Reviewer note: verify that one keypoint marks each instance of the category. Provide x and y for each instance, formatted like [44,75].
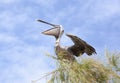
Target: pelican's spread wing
[80,46]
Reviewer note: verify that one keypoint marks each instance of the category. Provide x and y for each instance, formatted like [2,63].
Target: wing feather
[80,46]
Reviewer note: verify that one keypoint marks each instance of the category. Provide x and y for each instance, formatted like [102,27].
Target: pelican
[79,48]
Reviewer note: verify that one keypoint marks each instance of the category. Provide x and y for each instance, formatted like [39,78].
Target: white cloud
[46,4]
[105,9]
[11,20]
[23,63]
[20,61]
[5,38]
[8,1]
[90,12]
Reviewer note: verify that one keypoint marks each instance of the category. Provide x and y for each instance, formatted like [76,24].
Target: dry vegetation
[86,70]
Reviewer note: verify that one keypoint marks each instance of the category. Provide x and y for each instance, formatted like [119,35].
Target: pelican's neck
[57,43]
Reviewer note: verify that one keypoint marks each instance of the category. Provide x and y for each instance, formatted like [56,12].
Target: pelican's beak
[52,32]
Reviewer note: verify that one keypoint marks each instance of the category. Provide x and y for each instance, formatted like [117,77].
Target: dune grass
[86,70]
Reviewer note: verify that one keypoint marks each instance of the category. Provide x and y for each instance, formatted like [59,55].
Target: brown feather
[80,46]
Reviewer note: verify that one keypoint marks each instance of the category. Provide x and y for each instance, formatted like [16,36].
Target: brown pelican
[80,46]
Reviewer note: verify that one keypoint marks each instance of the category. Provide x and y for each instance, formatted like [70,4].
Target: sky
[23,48]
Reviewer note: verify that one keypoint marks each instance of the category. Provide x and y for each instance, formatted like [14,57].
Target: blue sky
[23,47]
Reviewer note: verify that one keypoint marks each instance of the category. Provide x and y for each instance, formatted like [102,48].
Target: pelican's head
[56,31]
